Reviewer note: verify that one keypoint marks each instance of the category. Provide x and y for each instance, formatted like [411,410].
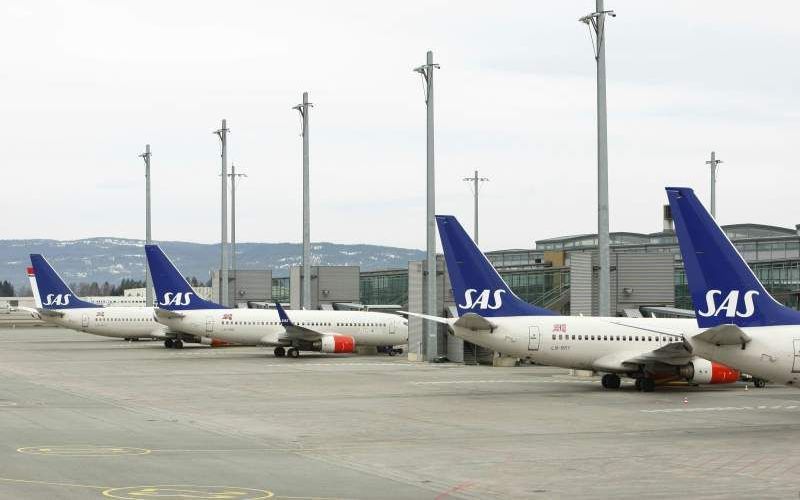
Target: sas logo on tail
[57,299]
[730,305]
[483,300]
[177,299]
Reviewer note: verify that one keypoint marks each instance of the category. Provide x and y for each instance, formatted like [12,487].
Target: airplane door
[209,325]
[534,338]
[392,327]
[796,365]
[85,321]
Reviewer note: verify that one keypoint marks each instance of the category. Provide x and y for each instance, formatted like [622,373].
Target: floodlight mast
[475,181]
[430,344]
[223,260]
[303,109]
[596,23]
[234,176]
[148,290]
[713,163]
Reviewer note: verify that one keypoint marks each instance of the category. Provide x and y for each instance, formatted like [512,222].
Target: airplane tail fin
[723,287]
[34,288]
[49,289]
[477,286]
[285,321]
[172,290]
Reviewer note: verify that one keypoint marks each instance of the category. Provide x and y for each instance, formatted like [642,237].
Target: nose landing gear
[610,381]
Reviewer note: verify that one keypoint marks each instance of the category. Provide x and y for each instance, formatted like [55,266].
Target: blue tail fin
[285,321]
[172,290]
[476,285]
[53,292]
[723,287]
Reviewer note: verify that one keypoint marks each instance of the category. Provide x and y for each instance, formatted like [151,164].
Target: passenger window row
[614,338]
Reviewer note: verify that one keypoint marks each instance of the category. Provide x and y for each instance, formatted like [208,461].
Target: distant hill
[112,259]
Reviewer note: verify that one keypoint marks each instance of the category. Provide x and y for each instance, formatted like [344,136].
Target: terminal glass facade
[280,289]
[390,287]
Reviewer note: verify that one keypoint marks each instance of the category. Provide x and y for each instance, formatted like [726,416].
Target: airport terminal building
[647,278]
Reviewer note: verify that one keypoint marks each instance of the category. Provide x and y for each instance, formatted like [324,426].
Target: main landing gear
[610,381]
[173,344]
[645,384]
[292,352]
[759,382]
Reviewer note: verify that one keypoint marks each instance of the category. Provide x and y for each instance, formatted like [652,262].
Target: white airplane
[180,308]
[742,324]
[57,304]
[649,350]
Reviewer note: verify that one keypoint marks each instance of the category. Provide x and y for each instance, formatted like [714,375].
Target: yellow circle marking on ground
[187,491]
[83,451]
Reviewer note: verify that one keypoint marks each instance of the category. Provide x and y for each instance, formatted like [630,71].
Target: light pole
[597,32]
[475,180]
[430,329]
[234,176]
[306,281]
[713,163]
[148,290]
[223,260]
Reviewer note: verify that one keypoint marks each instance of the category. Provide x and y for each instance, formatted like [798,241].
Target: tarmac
[88,417]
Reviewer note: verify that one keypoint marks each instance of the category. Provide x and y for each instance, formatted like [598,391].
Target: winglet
[285,321]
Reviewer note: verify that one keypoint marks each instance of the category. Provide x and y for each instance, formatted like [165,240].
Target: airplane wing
[294,331]
[674,353]
[724,335]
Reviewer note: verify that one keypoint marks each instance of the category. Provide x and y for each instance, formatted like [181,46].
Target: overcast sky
[85,84]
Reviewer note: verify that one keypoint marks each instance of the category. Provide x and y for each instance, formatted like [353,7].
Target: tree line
[93,289]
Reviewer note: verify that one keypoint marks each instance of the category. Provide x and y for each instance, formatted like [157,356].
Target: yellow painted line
[187,491]
[83,451]
[49,483]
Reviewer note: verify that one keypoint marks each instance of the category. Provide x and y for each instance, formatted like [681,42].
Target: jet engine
[702,371]
[336,343]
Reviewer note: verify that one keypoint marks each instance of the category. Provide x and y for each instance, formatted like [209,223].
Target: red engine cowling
[702,371]
[337,343]
[214,342]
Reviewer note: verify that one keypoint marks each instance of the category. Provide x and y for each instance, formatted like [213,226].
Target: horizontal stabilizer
[724,335]
[166,314]
[474,322]
[437,319]
[49,313]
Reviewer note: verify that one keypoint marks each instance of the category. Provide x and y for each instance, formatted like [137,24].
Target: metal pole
[596,22]
[223,262]
[148,293]
[233,231]
[430,329]
[306,281]
[234,176]
[713,164]
[475,180]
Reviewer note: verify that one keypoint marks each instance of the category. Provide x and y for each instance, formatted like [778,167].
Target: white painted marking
[503,381]
[722,408]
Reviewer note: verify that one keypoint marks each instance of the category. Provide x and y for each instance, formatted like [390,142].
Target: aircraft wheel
[178,344]
[759,382]
[648,385]
[611,381]
[169,344]
[293,352]
[392,352]
[280,352]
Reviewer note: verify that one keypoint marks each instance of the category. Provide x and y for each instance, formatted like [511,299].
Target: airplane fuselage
[117,322]
[263,326]
[773,353]
[576,342]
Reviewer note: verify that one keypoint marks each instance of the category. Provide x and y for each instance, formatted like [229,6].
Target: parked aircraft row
[739,326]
[738,323]
[182,316]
